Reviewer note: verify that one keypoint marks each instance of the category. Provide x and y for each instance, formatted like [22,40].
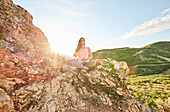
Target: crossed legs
[90,63]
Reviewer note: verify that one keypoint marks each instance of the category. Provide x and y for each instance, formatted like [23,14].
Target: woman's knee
[93,62]
[78,64]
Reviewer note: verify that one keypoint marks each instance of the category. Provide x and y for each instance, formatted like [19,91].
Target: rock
[6,104]
[17,32]
[9,83]
[92,90]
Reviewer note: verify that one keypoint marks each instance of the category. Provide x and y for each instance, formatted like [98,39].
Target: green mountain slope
[151,59]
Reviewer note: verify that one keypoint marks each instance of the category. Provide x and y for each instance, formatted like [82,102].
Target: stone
[18,32]
[72,91]
[6,104]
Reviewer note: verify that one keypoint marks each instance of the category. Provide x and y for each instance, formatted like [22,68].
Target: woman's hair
[78,46]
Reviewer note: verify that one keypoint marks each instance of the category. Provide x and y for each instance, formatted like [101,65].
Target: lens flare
[117,66]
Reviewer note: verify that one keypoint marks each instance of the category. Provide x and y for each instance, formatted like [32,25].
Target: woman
[84,55]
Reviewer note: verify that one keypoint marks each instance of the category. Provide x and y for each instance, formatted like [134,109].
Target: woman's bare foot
[85,68]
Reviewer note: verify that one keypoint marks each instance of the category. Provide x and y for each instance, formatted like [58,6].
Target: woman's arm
[90,53]
[75,54]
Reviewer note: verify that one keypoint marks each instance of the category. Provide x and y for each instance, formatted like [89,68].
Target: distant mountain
[151,59]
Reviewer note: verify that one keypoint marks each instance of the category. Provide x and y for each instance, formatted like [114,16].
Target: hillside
[151,59]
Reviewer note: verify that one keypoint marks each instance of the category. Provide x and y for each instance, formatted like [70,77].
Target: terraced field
[152,90]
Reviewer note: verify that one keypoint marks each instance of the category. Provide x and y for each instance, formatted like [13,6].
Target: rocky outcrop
[17,32]
[36,85]
[31,82]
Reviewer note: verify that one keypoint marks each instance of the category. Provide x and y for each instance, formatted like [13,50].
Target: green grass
[120,54]
[149,70]
[148,98]
[161,45]
[144,79]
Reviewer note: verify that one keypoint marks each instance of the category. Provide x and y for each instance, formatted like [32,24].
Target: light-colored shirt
[83,54]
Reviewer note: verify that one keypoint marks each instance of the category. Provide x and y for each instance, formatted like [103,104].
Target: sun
[61,47]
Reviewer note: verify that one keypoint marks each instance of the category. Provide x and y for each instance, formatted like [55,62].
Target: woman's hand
[90,53]
[84,59]
[75,55]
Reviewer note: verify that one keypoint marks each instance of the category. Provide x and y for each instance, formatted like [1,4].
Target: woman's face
[82,41]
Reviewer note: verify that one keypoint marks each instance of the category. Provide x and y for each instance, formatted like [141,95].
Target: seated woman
[84,55]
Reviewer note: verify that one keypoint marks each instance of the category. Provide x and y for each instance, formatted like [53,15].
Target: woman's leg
[78,64]
[91,63]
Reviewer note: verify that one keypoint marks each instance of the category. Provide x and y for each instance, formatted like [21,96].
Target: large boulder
[36,85]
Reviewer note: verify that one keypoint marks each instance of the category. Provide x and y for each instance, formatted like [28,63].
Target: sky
[105,24]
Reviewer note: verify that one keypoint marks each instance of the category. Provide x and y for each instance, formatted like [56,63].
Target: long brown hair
[78,46]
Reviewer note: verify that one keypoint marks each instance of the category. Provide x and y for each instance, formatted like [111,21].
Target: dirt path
[168,59]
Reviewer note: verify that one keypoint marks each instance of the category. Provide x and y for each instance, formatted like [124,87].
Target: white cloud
[149,27]
[165,11]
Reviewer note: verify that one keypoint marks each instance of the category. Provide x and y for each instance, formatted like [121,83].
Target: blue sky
[105,24]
